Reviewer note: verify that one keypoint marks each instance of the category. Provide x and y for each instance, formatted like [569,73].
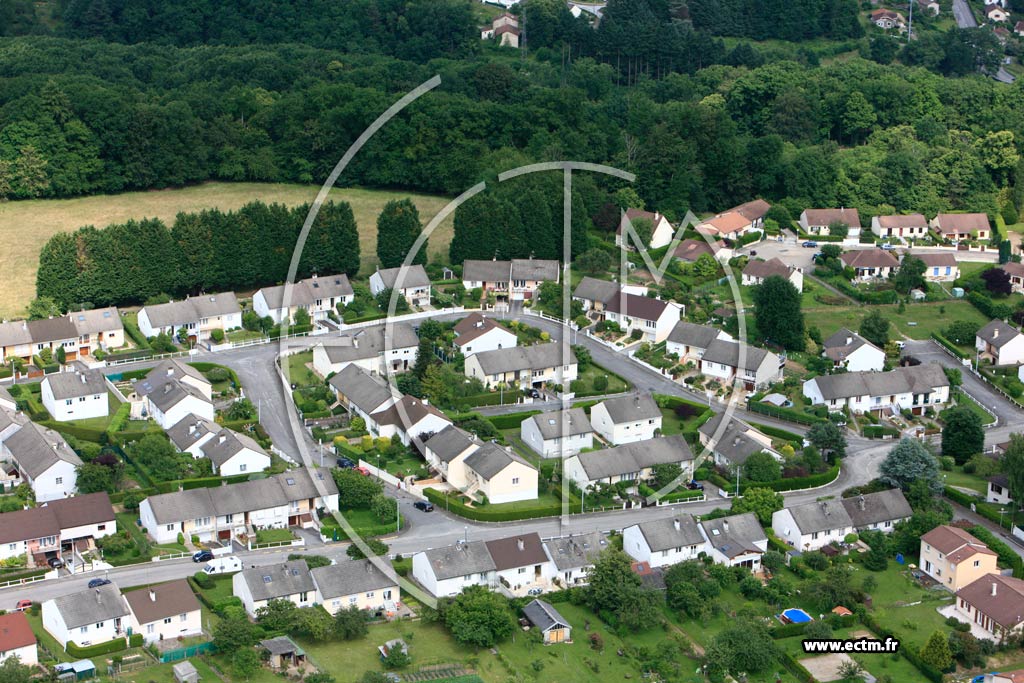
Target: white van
[223,565]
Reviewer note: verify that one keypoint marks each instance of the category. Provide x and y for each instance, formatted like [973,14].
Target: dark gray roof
[15,333]
[369,342]
[735,535]
[998,333]
[227,444]
[689,334]
[543,616]
[212,305]
[66,385]
[415,276]
[449,443]
[918,379]
[821,515]
[462,559]
[281,645]
[192,309]
[571,422]
[844,342]
[279,580]
[631,408]
[633,457]
[170,392]
[8,418]
[486,271]
[537,357]
[728,353]
[759,268]
[873,508]
[636,306]
[367,392]
[306,292]
[535,270]
[37,449]
[274,296]
[167,370]
[91,606]
[733,444]
[576,551]
[592,289]
[671,532]
[351,577]
[490,459]
[52,329]
[328,286]
[190,429]
[96,320]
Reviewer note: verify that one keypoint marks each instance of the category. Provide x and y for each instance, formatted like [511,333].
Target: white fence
[294,543]
[172,556]
[390,479]
[32,579]
[405,317]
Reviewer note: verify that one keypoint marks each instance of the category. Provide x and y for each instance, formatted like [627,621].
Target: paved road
[963,14]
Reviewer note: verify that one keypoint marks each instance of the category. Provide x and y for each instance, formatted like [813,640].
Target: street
[965,19]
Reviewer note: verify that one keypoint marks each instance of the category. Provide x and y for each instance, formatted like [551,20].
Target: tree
[838,229]
[93,478]
[245,663]
[910,461]
[398,227]
[665,474]
[706,266]
[762,467]
[234,633]
[875,328]
[746,647]
[385,509]
[424,358]
[355,490]
[777,312]
[850,671]
[910,274]
[829,439]
[834,588]
[351,623]
[962,434]
[378,548]
[302,318]
[761,501]
[42,308]
[615,590]
[997,281]
[593,261]
[479,617]
[961,332]
[277,615]
[1013,466]
[773,561]
[644,229]
[936,652]
[13,671]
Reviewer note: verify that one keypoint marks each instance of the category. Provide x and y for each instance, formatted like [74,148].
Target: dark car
[202,556]
[533,393]
[695,485]
[423,505]
[753,252]
[345,463]
[810,245]
[55,563]
[96,583]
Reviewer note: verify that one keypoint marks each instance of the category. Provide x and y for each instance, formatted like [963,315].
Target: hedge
[512,420]
[135,640]
[96,650]
[1006,554]
[779,485]
[482,514]
[205,367]
[777,433]
[878,431]
[685,494]
[950,346]
[797,416]
[77,431]
[930,672]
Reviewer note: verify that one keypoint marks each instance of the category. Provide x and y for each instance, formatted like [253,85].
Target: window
[99,624]
[303,596]
[336,603]
[81,399]
[352,600]
[370,594]
[150,628]
[167,620]
[58,481]
[814,536]
[977,563]
[183,616]
[12,546]
[242,467]
[515,480]
[521,570]
[68,402]
[84,629]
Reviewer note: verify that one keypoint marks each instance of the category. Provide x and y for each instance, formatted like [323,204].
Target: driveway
[788,251]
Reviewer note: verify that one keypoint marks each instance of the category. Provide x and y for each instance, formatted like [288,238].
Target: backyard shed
[547,619]
[284,653]
[185,672]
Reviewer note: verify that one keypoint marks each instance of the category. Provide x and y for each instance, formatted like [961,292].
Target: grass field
[26,225]
[918,321]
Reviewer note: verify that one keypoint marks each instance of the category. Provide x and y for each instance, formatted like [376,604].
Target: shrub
[600,383]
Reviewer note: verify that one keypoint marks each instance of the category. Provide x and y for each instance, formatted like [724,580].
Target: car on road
[694,485]
[96,583]
[753,252]
[23,606]
[223,565]
[345,463]
[810,244]
[423,505]
[55,563]
[202,556]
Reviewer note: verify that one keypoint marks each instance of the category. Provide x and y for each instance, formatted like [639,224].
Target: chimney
[167,388]
[152,595]
[83,377]
[520,545]
[99,596]
[222,438]
[725,525]
[675,524]
[993,589]
[860,502]
[995,333]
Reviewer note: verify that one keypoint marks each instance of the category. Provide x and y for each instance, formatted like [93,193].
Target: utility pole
[910,22]
[737,481]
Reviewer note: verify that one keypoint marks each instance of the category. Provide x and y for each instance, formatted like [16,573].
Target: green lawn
[274,535]
[364,522]
[918,321]
[164,673]
[46,641]
[672,424]
[967,402]
[615,383]
[898,668]
[244,335]
[970,268]
[959,479]
[298,373]
[100,423]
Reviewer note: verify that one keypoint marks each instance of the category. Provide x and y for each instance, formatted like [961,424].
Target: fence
[31,579]
[419,315]
[186,652]
[295,543]
[147,359]
[172,556]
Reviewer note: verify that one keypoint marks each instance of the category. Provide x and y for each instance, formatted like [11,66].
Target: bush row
[878,431]
[930,672]
[778,433]
[950,346]
[685,494]
[790,414]
[482,514]
[790,484]
[96,650]
[511,421]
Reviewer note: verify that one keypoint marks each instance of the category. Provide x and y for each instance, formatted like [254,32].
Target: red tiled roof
[15,632]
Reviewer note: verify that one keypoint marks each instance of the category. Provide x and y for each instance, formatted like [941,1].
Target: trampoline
[795,615]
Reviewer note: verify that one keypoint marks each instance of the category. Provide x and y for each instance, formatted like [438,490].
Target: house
[288,499]
[489,277]
[955,558]
[1016,273]
[956,227]
[190,433]
[664,542]
[574,556]
[48,530]
[914,388]
[7,401]
[527,366]
[411,282]
[1018,28]
[689,341]
[1015,676]
[729,361]
[732,444]
[172,391]
[888,19]
[505,30]
[88,617]
[730,225]
[594,293]
[318,296]
[879,511]
[553,626]
[1000,343]
[408,418]
[998,490]
[930,6]
[198,316]
[290,581]
[757,271]
[476,333]
[558,434]
[849,350]
[282,653]
[378,349]
[446,571]
[689,250]
[630,462]
[819,221]
[44,461]
[736,540]
[53,334]
[994,12]
[233,453]
[939,267]
[521,563]
[517,280]
[812,525]
[77,394]
[527,274]
[869,264]
[627,419]
[166,611]
[475,467]
[363,394]
[912,225]
[17,639]
[993,603]
[653,318]
[662,231]
[100,329]
[15,340]
[359,583]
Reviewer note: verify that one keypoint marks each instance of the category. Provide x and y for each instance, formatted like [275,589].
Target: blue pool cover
[797,616]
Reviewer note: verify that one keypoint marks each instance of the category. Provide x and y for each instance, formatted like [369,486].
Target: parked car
[810,244]
[889,247]
[96,583]
[362,470]
[223,565]
[753,252]
[423,505]
[202,556]
[532,393]
[55,563]
[345,463]
[23,606]
[535,591]
[695,485]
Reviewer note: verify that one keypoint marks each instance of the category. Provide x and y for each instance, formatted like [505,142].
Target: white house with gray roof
[664,542]
[44,461]
[172,391]
[411,282]
[190,433]
[915,388]
[476,333]
[6,400]
[1000,343]
[408,418]
[626,419]
[478,468]
[517,279]
[629,462]
[87,617]
[594,293]
[879,511]
[317,295]
[527,366]
[573,556]
[77,394]
[689,341]
[732,441]
[812,525]
[849,350]
[558,434]
[363,394]
[446,571]
[291,581]
[98,329]
[232,453]
[356,583]
[197,315]
[729,361]
[736,540]
[377,349]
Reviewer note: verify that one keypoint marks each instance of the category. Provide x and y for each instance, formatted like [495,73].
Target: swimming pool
[795,615]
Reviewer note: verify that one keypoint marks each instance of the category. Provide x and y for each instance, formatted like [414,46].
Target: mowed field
[26,225]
